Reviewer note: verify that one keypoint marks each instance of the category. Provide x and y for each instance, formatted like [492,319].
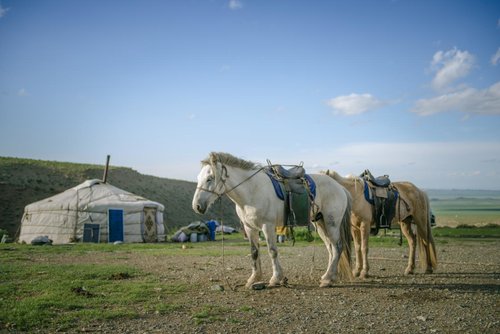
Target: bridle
[222,182]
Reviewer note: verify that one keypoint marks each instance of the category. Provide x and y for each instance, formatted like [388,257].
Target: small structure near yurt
[93,211]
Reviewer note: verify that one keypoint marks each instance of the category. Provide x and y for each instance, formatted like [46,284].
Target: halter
[221,183]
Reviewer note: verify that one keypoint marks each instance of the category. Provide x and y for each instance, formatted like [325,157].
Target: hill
[440,194]
[23,181]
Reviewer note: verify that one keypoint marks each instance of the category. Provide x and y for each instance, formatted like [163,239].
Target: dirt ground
[461,296]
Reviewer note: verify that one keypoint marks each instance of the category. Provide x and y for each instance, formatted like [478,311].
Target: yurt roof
[93,195]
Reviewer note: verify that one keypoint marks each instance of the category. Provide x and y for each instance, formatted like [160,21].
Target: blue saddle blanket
[368,194]
[278,188]
[369,197]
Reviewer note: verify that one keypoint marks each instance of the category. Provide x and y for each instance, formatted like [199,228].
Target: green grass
[488,232]
[210,313]
[34,294]
[37,295]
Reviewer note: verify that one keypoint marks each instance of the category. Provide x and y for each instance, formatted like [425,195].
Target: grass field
[466,211]
[40,290]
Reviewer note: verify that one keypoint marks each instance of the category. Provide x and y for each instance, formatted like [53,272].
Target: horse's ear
[213,160]
[217,170]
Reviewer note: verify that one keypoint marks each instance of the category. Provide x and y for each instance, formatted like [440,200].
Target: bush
[303,234]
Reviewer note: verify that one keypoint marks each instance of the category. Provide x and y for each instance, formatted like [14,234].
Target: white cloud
[235,4]
[467,100]
[354,104]
[3,11]
[450,66]
[495,59]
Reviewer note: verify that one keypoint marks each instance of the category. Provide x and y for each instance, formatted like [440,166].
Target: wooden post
[105,176]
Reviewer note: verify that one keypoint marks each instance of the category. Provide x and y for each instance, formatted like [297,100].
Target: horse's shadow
[406,283]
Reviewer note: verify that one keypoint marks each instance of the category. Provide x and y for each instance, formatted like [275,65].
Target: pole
[105,176]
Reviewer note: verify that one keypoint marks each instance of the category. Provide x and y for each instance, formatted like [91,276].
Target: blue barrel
[211,229]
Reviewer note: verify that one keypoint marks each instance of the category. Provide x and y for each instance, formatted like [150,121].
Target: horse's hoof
[429,271]
[408,272]
[250,284]
[364,275]
[273,284]
[355,273]
[325,284]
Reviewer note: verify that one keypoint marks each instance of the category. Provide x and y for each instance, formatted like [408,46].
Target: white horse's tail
[427,247]
[344,266]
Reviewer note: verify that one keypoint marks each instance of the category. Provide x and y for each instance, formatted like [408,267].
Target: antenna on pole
[105,176]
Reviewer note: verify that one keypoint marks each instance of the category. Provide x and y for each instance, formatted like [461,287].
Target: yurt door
[115,225]
[149,225]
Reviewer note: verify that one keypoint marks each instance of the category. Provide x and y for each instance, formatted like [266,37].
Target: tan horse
[412,210]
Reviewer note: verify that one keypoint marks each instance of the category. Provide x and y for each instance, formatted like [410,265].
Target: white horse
[258,207]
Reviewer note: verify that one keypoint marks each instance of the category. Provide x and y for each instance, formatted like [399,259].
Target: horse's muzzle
[198,208]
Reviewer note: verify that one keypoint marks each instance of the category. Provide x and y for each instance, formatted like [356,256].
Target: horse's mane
[349,177]
[230,160]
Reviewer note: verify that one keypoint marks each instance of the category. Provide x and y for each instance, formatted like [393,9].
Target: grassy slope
[23,181]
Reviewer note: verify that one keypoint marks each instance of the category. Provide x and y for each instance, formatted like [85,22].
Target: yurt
[93,211]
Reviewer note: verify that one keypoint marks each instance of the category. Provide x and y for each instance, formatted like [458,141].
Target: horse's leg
[253,237]
[356,236]
[326,278]
[270,234]
[411,237]
[331,238]
[365,235]
[425,241]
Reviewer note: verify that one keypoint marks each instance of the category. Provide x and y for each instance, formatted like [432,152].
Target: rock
[217,287]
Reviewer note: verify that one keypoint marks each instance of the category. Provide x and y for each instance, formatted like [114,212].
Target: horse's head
[211,186]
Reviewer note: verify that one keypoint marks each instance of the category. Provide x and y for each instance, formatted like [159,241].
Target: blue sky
[405,88]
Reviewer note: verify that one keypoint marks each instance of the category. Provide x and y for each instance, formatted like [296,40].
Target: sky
[405,88]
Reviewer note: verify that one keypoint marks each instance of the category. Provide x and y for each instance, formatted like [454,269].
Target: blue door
[115,224]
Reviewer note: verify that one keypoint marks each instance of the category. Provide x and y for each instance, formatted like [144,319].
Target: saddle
[295,172]
[292,179]
[379,181]
[296,189]
[383,196]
